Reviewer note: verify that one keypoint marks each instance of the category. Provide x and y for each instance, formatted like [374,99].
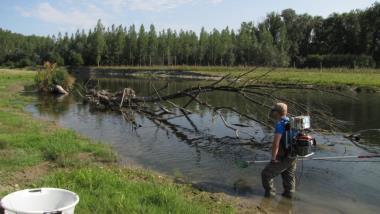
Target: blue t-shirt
[280,128]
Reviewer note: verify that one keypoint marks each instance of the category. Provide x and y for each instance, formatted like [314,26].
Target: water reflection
[55,106]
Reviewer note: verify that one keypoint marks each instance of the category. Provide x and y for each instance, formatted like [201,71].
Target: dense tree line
[281,39]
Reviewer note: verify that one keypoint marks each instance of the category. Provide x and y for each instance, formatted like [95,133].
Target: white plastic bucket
[40,201]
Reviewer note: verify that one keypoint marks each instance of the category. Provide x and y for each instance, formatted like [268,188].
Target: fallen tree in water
[161,106]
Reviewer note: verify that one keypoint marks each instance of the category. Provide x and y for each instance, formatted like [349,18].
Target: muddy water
[323,186]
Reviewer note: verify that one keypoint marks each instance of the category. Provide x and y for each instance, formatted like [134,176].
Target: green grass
[127,191]
[330,77]
[326,77]
[27,145]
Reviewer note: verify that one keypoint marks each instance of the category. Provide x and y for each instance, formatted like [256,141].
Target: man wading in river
[281,162]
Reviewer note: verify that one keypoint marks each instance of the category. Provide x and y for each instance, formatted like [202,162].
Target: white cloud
[150,5]
[73,18]
[153,5]
[83,14]
[216,1]
[116,5]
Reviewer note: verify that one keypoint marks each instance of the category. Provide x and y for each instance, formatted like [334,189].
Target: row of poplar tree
[281,39]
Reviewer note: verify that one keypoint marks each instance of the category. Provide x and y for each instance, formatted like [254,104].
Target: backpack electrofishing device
[299,142]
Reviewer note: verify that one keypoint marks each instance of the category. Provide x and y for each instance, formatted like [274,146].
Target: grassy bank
[325,77]
[36,153]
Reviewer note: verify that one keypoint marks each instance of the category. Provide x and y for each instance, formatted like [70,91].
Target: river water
[323,186]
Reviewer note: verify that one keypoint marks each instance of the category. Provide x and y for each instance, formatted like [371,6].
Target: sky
[48,17]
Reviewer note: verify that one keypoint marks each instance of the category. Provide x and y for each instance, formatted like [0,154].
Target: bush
[331,61]
[58,76]
[51,76]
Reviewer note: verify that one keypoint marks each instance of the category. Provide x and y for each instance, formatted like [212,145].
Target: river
[323,186]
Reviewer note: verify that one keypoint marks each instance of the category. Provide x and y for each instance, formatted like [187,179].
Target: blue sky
[44,17]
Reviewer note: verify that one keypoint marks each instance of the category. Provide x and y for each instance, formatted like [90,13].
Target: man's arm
[276,146]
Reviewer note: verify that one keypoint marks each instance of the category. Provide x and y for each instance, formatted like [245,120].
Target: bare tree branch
[259,95]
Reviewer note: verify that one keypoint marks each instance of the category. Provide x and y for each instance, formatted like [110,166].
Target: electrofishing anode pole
[324,158]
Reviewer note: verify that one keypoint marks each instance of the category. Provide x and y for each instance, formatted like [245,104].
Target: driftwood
[60,90]
[163,108]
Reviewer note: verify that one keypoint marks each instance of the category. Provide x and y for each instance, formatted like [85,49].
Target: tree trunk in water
[60,90]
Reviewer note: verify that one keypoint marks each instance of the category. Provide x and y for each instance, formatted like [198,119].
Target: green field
[35,153]
[330,77]
[325,77]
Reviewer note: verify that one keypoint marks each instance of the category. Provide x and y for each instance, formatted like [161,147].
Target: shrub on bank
[51,76]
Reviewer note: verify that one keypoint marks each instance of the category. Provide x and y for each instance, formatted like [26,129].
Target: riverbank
[337,78]
[35,153]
